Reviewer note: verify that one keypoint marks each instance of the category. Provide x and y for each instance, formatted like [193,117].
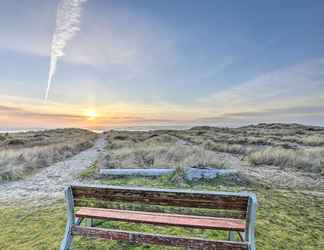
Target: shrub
[2,137]
[120,137]
[15,142]
[299,159]
[164,155]
[227,148]
[313,140]
[89,172]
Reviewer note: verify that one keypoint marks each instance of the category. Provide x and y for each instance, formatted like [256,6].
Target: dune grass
[314,140]
[18,163]
[306,160]
[286,219]
[287,146]
[89,172]
[37,150]
[162,154]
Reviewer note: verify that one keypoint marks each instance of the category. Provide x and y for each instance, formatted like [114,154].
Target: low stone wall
[189,173]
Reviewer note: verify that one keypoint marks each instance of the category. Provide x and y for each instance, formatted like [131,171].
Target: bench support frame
[73,228]
[156,239]
[251,221]
[71,221]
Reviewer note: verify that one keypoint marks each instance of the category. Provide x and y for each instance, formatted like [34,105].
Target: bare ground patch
[48,184]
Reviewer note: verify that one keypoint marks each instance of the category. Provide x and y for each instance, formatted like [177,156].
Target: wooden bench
[238,215]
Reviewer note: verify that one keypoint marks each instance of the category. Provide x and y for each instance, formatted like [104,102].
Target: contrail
[67,25]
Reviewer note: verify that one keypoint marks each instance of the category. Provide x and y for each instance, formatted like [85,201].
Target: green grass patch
[286,219]
[89,172]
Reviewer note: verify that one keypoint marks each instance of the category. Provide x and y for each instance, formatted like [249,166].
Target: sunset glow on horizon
[91,114]
[224,65]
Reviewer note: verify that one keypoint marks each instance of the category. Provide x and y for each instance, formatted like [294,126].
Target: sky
[163,63]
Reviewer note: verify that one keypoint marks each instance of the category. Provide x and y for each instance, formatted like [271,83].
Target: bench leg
[91,222]
[231,235]
[66,242]
[241,235]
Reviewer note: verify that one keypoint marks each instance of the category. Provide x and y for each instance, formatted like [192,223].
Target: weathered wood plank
[164,197]
[242,203]
[220,213]
[155,239]
[163,219]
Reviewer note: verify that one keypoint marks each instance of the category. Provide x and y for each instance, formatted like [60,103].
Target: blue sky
[165,62]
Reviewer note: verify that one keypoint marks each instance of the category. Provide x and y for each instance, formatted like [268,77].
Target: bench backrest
[163,197]
[98,196]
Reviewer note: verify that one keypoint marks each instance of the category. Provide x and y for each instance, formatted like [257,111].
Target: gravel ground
[48,184]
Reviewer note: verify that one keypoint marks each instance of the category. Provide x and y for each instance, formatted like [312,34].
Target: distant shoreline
[170,127]
[129,128]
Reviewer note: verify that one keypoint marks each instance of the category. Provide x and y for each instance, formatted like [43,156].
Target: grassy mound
[286,219]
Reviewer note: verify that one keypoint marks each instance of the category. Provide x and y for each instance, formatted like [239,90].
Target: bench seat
[163,219]
[226,211]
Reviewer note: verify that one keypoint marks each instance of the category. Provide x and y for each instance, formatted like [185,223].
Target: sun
[91,114]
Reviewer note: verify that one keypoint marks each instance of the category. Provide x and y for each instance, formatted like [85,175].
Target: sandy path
[49,183]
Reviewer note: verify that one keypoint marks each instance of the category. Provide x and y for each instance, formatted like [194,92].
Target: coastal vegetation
[281,163]
[22,154]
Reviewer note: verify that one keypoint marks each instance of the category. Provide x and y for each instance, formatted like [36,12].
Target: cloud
[292,94]
[12,117]
[292,86]
[270,113]
[105,41]
[17,117]
[21,113]
[67,25]
[26,30]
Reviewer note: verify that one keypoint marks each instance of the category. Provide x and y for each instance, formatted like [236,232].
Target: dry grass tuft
[156,149]
[166,155]
[314,140]
[285,145]
[304,160]
[228,148]
[18,160]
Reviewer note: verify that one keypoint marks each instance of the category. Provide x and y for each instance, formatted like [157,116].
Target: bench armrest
[251,221]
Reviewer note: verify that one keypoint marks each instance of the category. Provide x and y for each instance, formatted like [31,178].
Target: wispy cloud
[270,113]
[15,117]
[288,87]
[295,93]
[19,113]
[105,41]
[67,24]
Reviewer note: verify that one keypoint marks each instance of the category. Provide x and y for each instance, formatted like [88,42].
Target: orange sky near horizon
[37,114]
[120,64]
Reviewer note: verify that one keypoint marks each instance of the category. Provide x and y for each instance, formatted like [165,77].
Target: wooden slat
[162,219]
[221,213]
[163,197]
[155,239]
